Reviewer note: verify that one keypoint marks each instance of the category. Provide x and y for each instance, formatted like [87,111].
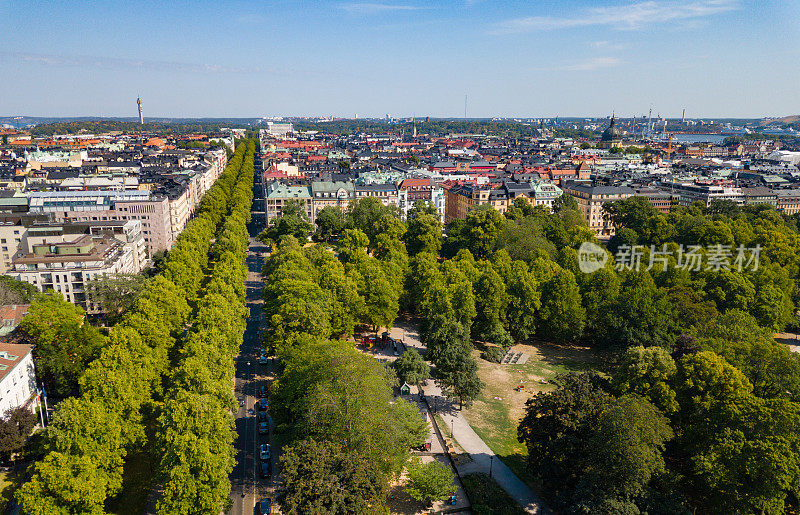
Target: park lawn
[137,477]
[487,497]
[496,413]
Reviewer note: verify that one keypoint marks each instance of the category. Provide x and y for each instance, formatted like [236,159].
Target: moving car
[265,451]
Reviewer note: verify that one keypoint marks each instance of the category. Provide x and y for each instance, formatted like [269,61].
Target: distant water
[699,138]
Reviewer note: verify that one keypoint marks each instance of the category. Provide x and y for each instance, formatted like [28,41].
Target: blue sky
[720,58]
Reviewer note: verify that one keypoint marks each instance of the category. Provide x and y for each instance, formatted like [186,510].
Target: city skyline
[714,58]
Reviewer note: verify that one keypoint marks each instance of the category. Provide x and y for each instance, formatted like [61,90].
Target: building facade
[17,377]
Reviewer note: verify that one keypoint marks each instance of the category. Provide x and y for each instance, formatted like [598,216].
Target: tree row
[124,383]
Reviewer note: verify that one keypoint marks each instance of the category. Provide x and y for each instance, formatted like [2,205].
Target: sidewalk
[482,456]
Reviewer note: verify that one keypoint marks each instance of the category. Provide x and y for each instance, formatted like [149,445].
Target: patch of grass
[488,498]
[497,411]
[137,479]
[9,482]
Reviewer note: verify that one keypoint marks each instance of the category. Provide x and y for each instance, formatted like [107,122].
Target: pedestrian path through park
[483,458]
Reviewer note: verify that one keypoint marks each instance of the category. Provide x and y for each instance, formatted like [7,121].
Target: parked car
[265,451]
[265,507]
[263,404]
[262,416]
[263,428]
[266,469]
[263,392]
[262,360]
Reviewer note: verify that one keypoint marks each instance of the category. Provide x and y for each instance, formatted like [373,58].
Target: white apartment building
[17,377]
[704,192]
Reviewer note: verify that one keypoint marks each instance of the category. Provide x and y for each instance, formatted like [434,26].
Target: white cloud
[365,8]
[606,45]
[621,17]
[593,64]
[114,63]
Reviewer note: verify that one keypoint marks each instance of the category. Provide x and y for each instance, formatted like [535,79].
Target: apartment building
[704,191]
[590,201]
[413,189]
[154,211]
[278,193]
[17,377]
[386,193]
[11,234]
[63,259]
[337,194]
[545,193]
[759,195]
[460,199]
[788,201]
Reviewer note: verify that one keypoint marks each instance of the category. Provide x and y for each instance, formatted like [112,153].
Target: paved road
[483,458]
[247,486]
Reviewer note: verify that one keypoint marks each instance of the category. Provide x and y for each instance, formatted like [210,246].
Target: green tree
[115,294]
[632,434]
[523,301]
[565,202]
[773,370]
[15,428]
[65,343]
[380,297]
[557,427]
[457,375]
[370,216]
[443,335]
[13,291]
[562,318]
[648,372]
[411,368]
[642,314]
[491,299]
[293,221]
[424,234]
[330,220]
[429,482]
[64,485]
[322,478]
[420,207]
[483,227]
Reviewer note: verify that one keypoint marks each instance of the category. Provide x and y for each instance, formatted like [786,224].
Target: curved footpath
[469,440]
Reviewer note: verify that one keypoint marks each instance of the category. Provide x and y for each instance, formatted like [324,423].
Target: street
[247,487]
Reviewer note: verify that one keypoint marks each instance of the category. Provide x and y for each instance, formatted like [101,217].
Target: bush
[493,354]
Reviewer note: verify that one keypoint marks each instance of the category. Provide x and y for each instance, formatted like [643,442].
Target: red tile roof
[11,354]
[11,314]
